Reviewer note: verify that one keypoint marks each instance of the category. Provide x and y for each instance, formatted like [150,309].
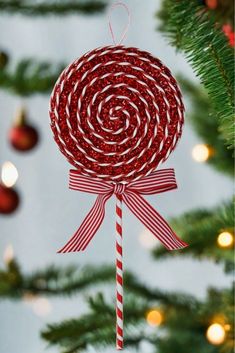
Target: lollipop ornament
[117,114]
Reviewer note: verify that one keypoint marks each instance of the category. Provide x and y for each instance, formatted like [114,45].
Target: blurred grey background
[50,213]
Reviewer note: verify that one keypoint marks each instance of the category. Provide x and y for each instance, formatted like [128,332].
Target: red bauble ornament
[231,38]
[22,136]
[212,4]
[9,199]
[228,31]
[116,113]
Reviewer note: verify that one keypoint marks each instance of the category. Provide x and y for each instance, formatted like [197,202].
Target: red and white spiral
[116,113]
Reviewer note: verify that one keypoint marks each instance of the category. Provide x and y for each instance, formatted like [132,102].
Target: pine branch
[30,77]
[71,280]
[97,328]
[200,228]
[32,8]
[52,281]
[202,119]
[191,29]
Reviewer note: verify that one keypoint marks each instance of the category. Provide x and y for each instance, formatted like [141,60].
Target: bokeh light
[9,174]
[147,239]
[41,306]
[8,254]
[154,317]
[215,334]
[225,239]
[201,153]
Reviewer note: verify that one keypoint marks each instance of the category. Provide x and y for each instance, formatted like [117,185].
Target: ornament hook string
[124,33]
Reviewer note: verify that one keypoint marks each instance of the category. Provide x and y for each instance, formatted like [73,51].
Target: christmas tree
[183,323]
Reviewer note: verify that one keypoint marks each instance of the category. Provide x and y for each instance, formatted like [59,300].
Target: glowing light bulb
[215,334]
[154,318]
[225,239]
[227,327]
[8,254]
[147,239]
[201,153]
[9,174]
[41,306]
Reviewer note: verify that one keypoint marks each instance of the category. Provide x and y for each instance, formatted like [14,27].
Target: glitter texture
[116,113]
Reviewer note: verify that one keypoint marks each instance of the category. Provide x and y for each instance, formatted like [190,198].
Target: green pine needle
[202,119]
[200,228]
[32,8]
[52,281]
[191,29]
[179,329]
[30,77]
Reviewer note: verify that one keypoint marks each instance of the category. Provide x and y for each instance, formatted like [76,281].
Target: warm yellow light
[225,239]
[41,306]
[147,239]
[215,334]
[201,153]
[227,327]
[8,254]
[9,174]
[154,318]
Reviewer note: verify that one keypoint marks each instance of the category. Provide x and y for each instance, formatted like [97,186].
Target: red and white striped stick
[130,194]
[119,274]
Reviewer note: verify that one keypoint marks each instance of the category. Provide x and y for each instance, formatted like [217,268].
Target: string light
[8,254]
[154,317]
[201,153]
[215,334]
[147,239]
[9,174]
[227,327]
[225,239]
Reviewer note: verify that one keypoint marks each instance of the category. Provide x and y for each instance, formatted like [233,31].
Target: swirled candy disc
[116,113]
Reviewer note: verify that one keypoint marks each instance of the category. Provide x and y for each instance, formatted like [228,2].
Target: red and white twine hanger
[124,34]
[117,114]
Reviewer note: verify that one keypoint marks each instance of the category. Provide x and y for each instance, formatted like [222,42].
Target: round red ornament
[212,4]
[9,200]
[116,113]
[23,137]
[228,31]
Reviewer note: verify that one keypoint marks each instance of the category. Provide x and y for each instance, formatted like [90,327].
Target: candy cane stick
[119,274]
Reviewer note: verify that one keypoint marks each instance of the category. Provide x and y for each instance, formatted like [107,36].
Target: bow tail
[153,221]
[88,228]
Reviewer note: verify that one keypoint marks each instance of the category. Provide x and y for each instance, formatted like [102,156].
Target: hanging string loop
[124,33]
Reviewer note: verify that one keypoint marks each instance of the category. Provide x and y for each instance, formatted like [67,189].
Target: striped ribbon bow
[155,183]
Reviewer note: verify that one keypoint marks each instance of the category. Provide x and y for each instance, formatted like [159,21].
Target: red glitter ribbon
[155,183]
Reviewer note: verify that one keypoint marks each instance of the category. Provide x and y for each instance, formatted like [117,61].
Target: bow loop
[155,183]
[83,183]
